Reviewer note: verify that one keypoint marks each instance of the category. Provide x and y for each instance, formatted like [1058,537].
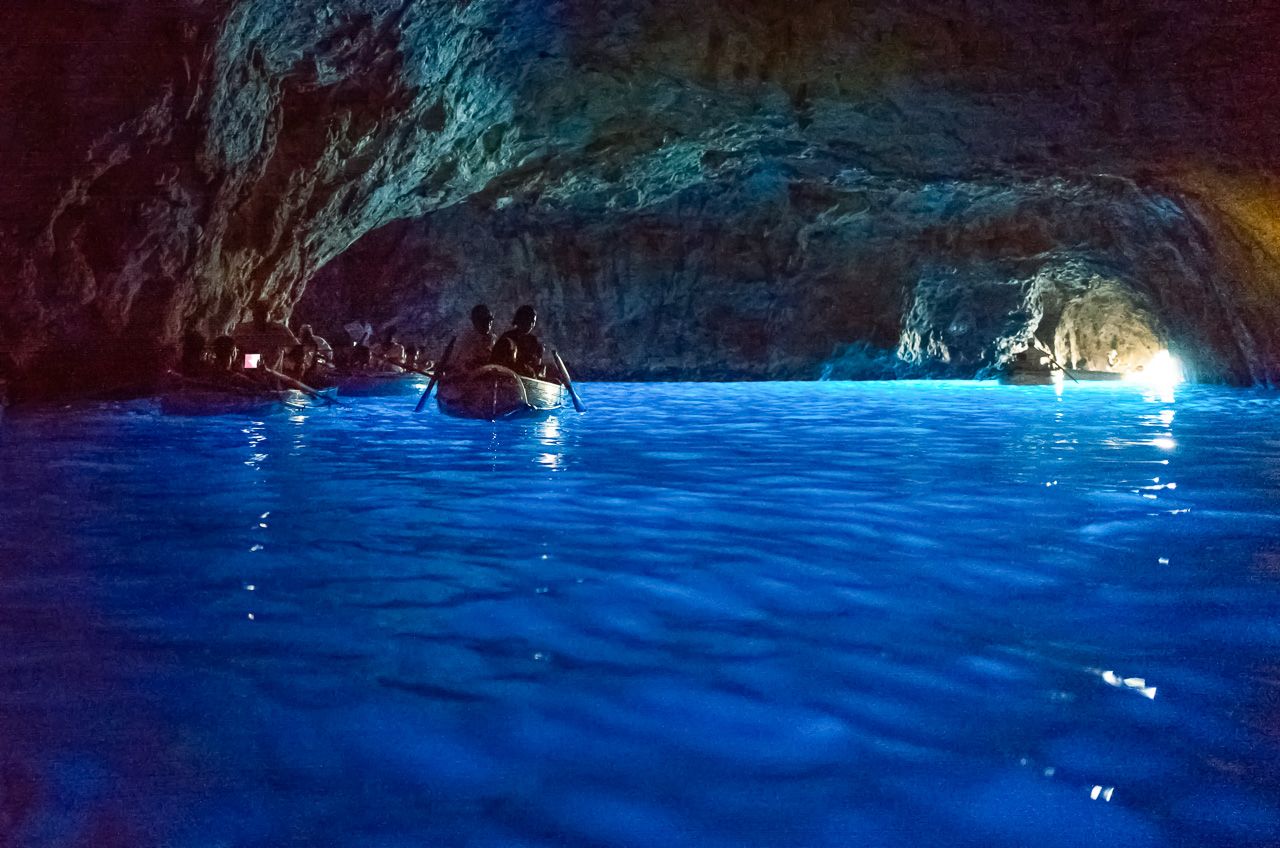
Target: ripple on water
[738,614]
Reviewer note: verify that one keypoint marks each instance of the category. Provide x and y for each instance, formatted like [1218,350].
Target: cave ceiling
[745,188]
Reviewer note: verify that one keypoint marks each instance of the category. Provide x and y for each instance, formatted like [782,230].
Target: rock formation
[738,187]
[848,275]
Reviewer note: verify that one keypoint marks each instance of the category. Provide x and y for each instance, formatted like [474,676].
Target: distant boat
[184,396]
[494,392]
[1016,376]
[1096,376]
[210,402]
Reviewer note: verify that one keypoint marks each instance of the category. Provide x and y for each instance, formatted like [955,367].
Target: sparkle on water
[703,615]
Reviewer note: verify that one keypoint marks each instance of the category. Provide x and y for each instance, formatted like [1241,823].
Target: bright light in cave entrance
[1163,369]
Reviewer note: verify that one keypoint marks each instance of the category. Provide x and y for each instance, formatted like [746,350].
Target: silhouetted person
[342,356]
[518,348]
[319,351]
[295,361]
[359,358]
[223,354]
[476,346]
[221,369]
[389,353]
[1032,358]
[264,336]
[215,362]
[192,363]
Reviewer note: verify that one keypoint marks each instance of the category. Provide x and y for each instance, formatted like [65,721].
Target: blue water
[698,615]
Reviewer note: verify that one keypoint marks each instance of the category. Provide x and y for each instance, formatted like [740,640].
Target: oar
[298,384]
[568,383]
[404,367]
[441,364]
[1052,359]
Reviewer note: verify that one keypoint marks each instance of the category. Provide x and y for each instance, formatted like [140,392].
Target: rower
[390,353]
[476,345]
[321,352]
[1031,359]
[518,348]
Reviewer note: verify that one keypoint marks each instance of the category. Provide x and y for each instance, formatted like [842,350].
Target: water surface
[705,615]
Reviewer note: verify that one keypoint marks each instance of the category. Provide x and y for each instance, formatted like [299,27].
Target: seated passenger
[262,336]
[389,353]
[296,361]
[476,347]
[342,356]
[411,357]
[223,357]
[221,369]
[359,359]
[518,348]
[321,352]
[1031,359]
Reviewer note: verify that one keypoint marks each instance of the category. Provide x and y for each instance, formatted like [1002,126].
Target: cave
[639,423]
[794,172]
[1105,327]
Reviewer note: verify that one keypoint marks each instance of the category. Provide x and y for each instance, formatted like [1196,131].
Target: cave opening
[1107,329]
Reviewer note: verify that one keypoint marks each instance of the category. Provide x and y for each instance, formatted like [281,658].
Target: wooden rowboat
[1031,377]
[1049,376]
[185,396]
[494,392]
[1097,376]
[209,402]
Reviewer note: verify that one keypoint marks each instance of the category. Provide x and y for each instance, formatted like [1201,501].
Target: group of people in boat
[264,346]
[1037,364]
[388,354]
[518,348]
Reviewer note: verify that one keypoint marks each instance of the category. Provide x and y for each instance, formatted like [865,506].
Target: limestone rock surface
[735,187]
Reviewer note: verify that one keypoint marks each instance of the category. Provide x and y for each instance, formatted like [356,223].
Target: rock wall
[170,162]
[827,273]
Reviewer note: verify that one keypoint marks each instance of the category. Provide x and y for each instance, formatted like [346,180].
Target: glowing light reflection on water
[828,614]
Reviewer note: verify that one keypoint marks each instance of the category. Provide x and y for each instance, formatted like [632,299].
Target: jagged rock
[847,275]
[170,162]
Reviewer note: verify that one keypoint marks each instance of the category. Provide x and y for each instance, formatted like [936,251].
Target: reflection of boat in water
[495,392]
[376,383]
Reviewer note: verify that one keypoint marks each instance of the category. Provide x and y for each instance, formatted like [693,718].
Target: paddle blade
[568,382]
[441,364]
[422,401]
[300,386]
